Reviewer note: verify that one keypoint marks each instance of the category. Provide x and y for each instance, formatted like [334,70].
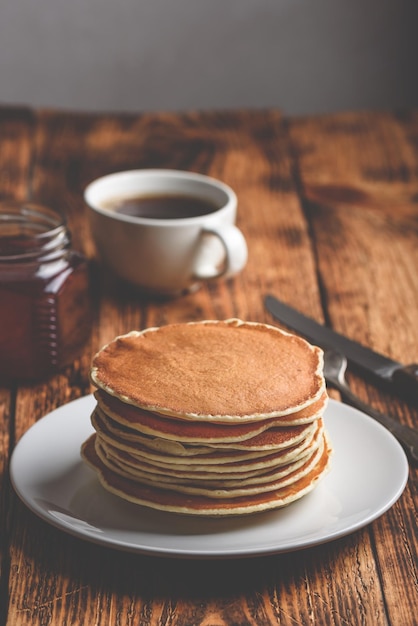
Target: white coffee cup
[168,255]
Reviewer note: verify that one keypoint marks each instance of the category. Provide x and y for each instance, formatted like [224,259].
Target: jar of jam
[44,296]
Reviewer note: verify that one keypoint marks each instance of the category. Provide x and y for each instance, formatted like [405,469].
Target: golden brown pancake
[133,418]
[275,465]
[209,418]
[118,433]
[168,500]
[172,482]
[272,439]
[123,466]
[289,474]
[225,372]
[227,468]
[235,471]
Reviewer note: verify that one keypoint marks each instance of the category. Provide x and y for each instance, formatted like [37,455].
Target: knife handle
[406,381]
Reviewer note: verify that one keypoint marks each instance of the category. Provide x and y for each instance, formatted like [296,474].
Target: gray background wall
[303,56]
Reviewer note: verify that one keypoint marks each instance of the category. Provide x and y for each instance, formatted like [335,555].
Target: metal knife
[403,378]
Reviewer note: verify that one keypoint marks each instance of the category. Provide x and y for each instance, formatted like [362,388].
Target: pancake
[231,467]
[101,422]
[162,459]
[226,372]
[209,418]
[167,500]
[249,470]
[273,439]
[122,414]
[289,474]
[165,481]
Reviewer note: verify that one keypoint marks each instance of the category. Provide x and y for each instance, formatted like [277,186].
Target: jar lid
[29,230]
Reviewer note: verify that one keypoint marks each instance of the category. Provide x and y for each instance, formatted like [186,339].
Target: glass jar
[44,295]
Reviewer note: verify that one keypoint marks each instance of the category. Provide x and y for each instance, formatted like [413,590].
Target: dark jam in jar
[44,295]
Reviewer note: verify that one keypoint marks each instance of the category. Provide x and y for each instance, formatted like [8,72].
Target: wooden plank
[15,162]
[358,179]
[56,147]
[359,182]
[16,152]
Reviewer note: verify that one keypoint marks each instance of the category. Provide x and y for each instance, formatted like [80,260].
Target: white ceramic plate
[369,472]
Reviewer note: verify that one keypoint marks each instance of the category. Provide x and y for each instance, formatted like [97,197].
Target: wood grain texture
[16,155]
[329,208]
[358,180]
[360,191]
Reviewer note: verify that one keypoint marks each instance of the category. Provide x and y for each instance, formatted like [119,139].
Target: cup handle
[212,262]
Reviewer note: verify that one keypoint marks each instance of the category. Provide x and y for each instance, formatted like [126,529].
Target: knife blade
[404,378]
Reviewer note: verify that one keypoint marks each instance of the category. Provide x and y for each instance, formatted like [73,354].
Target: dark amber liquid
[162,207]
[44,320]
[44,300]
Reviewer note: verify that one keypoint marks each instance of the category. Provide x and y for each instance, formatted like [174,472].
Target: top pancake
[224,371]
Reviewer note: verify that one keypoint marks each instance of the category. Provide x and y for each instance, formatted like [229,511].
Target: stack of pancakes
[209,418]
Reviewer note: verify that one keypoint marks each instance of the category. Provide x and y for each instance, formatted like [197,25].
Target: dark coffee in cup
[162,207]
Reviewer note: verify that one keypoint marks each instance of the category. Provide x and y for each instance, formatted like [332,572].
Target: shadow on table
[55,555]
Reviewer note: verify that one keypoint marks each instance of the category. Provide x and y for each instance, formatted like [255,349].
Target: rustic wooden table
[329,206]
